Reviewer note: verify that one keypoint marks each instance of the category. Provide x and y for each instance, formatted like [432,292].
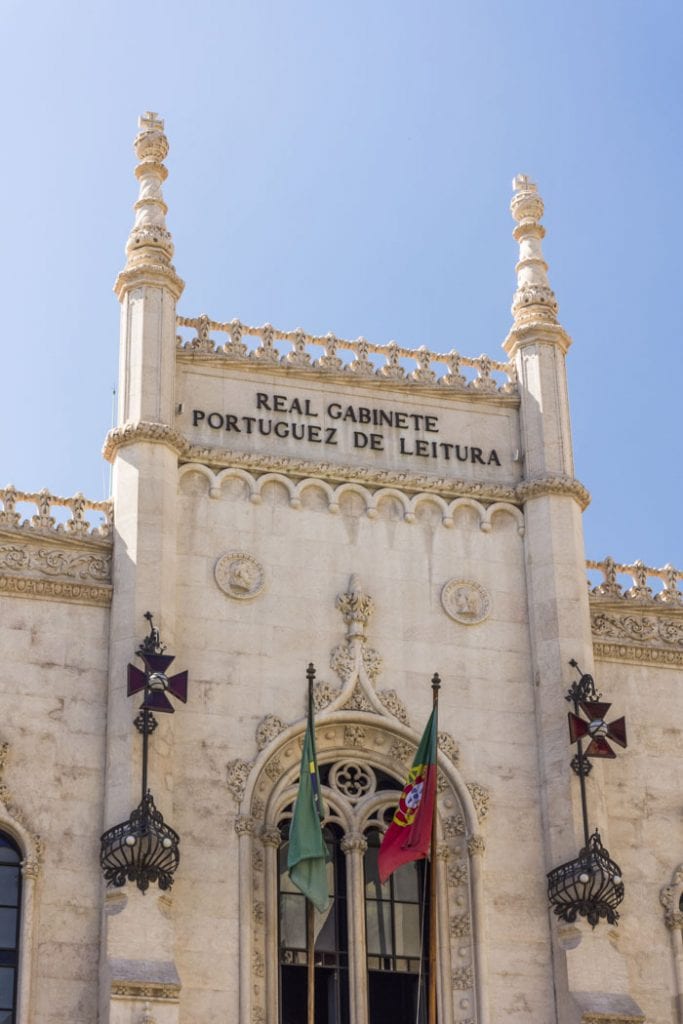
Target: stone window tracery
[371,944]
[361,783]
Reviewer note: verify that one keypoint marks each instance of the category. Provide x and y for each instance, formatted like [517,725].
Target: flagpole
[310,960]
[310,911]
[436,684]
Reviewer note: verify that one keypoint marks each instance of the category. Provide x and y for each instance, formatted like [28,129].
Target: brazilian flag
[307,855]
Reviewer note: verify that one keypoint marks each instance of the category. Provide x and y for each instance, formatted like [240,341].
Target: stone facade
[280,499]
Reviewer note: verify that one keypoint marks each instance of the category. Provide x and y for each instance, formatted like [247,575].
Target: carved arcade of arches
[365,743]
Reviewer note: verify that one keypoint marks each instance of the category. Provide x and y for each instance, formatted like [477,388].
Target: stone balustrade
[43,520]
[362,358]
[666,581]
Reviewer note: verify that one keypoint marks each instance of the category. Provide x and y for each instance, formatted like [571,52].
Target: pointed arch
[386,747]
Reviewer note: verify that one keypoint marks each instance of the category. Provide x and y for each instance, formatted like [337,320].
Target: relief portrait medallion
[240,575]
[465,601]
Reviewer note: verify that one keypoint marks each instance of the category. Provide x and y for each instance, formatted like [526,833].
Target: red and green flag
[307,855]
[409,835]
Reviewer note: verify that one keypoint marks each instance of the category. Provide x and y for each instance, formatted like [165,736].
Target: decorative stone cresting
[43,522]
[322,353]
[41,557]
[667,592]
[640,623]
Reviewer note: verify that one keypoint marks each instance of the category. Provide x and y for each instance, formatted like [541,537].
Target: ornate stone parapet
[42,521]
[390,363]
[666,590]
[641,623]
[41,557]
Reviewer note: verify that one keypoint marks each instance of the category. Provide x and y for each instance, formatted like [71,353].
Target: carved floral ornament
[670,897]
[14,821]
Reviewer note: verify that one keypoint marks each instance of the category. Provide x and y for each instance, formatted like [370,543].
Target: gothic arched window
[10,903]
[373,936]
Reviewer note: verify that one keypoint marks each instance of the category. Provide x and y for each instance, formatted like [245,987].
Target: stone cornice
[534,331]
[55,540]
[133,433]
[154,275]
[160,433]
[55,590]
[560,485]
[637,634]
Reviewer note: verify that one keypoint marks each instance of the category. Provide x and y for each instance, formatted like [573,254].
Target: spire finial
[150,247]
[534,299]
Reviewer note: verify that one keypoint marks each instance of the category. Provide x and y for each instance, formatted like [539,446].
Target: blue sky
[347,168]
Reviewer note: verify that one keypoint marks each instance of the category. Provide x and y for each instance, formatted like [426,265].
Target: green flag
[307,855]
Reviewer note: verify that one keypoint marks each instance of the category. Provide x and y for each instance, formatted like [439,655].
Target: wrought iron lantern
[591,885]
[144,849]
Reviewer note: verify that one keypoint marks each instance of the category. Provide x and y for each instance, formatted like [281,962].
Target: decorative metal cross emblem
[597,729]
[154,681]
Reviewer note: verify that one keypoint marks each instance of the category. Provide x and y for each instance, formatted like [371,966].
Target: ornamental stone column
[144,492]
[557,597]
[354,846]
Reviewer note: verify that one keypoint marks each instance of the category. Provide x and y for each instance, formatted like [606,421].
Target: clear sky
[346,167]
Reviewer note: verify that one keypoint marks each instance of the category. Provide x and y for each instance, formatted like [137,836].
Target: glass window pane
[8,927]
[6,1018]
[6,988]
[407,883]
[373,889]
[378,924]
[9,886]
[407,924]
[286,885]
[325,930]
[292,921]
[8,855]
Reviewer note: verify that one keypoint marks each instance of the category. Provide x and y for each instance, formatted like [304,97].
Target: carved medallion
[239,575]
[465,601]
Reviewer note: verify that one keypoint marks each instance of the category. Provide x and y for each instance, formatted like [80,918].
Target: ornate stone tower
[137,941]
[590,975]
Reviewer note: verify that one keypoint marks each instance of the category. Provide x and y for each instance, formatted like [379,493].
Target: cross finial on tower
[150,121]
[523,183]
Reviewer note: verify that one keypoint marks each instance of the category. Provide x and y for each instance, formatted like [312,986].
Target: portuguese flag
[410,834]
